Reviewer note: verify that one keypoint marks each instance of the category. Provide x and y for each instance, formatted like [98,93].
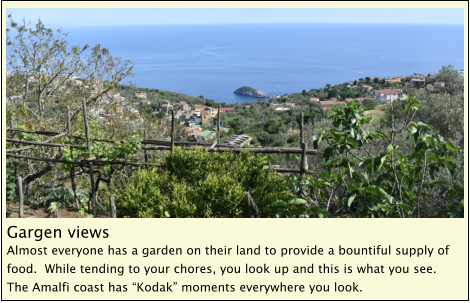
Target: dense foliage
[199,184]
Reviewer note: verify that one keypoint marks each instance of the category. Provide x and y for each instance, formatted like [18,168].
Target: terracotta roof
[328,102]
[314,99]
[389,91]
[349,99]
[227,109]
[204,112]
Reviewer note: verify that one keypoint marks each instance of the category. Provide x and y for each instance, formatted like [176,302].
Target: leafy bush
[202,185]
[59,198]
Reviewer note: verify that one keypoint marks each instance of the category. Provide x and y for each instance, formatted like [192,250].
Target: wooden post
[145,151]
[12,126]
[252,206]
[303,159]
[92,178]
[20,195]
[113,207]
[172,131]
[303,146]
[55,214]
[218,124]
[69,131]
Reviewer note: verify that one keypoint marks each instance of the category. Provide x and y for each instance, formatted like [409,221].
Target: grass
[375,114]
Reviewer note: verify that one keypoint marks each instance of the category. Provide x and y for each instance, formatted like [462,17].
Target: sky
[143,16]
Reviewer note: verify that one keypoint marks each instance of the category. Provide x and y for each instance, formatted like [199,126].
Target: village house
[439,85]
[141,95]
[206,117]
[184,105]
[314,99]
[274,104]
[394,79]
[433,75]
[418,80]
[276,96]
[238,140]
[461,74]
[289,105]
[205,136]
[385,95]
[281,109]
[349,99]
[247,106]
[366,88]
[165,107]
[227,109]
[214,112]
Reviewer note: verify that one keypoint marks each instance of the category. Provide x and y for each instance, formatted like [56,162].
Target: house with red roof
[227,109]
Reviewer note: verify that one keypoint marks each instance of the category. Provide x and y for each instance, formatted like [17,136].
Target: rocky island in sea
[249,91]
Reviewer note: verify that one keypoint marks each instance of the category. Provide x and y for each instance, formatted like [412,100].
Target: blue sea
[215,60]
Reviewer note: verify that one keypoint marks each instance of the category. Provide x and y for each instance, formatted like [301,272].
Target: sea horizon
[213,60]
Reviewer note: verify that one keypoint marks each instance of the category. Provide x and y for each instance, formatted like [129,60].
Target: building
[366,88]
[166,107]
[184,105]
[238,140]
[281,109]
[206,117]
[394,79]
[314,99]
[205,136]
[439,85]
[227,109]
[418,80]
[460,72]
[274,104]
[289,105]
[141,95]
[433,75]
[384,95]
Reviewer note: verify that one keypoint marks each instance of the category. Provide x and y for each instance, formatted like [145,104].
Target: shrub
[200,184]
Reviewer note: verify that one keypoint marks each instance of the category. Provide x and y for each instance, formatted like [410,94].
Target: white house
[460,74]
[384,95]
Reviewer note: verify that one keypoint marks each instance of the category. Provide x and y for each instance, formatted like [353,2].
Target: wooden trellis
[146,145]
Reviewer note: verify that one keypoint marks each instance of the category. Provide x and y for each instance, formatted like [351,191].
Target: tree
[48,72]
[328,85]
[361,80]
[376,80]
[355,82]
[450,76]
[46,76]
[367,80]
[332,93]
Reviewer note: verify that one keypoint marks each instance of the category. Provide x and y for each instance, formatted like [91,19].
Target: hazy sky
[126,16]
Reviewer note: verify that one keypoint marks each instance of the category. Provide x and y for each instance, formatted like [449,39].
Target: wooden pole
[218,124]
[252,208]
[92,177]
[55,214]
[303,159]
[172,144]
[20,195]
[145,151]
[301,129]
[69,131]
[12,136]
[113,207]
